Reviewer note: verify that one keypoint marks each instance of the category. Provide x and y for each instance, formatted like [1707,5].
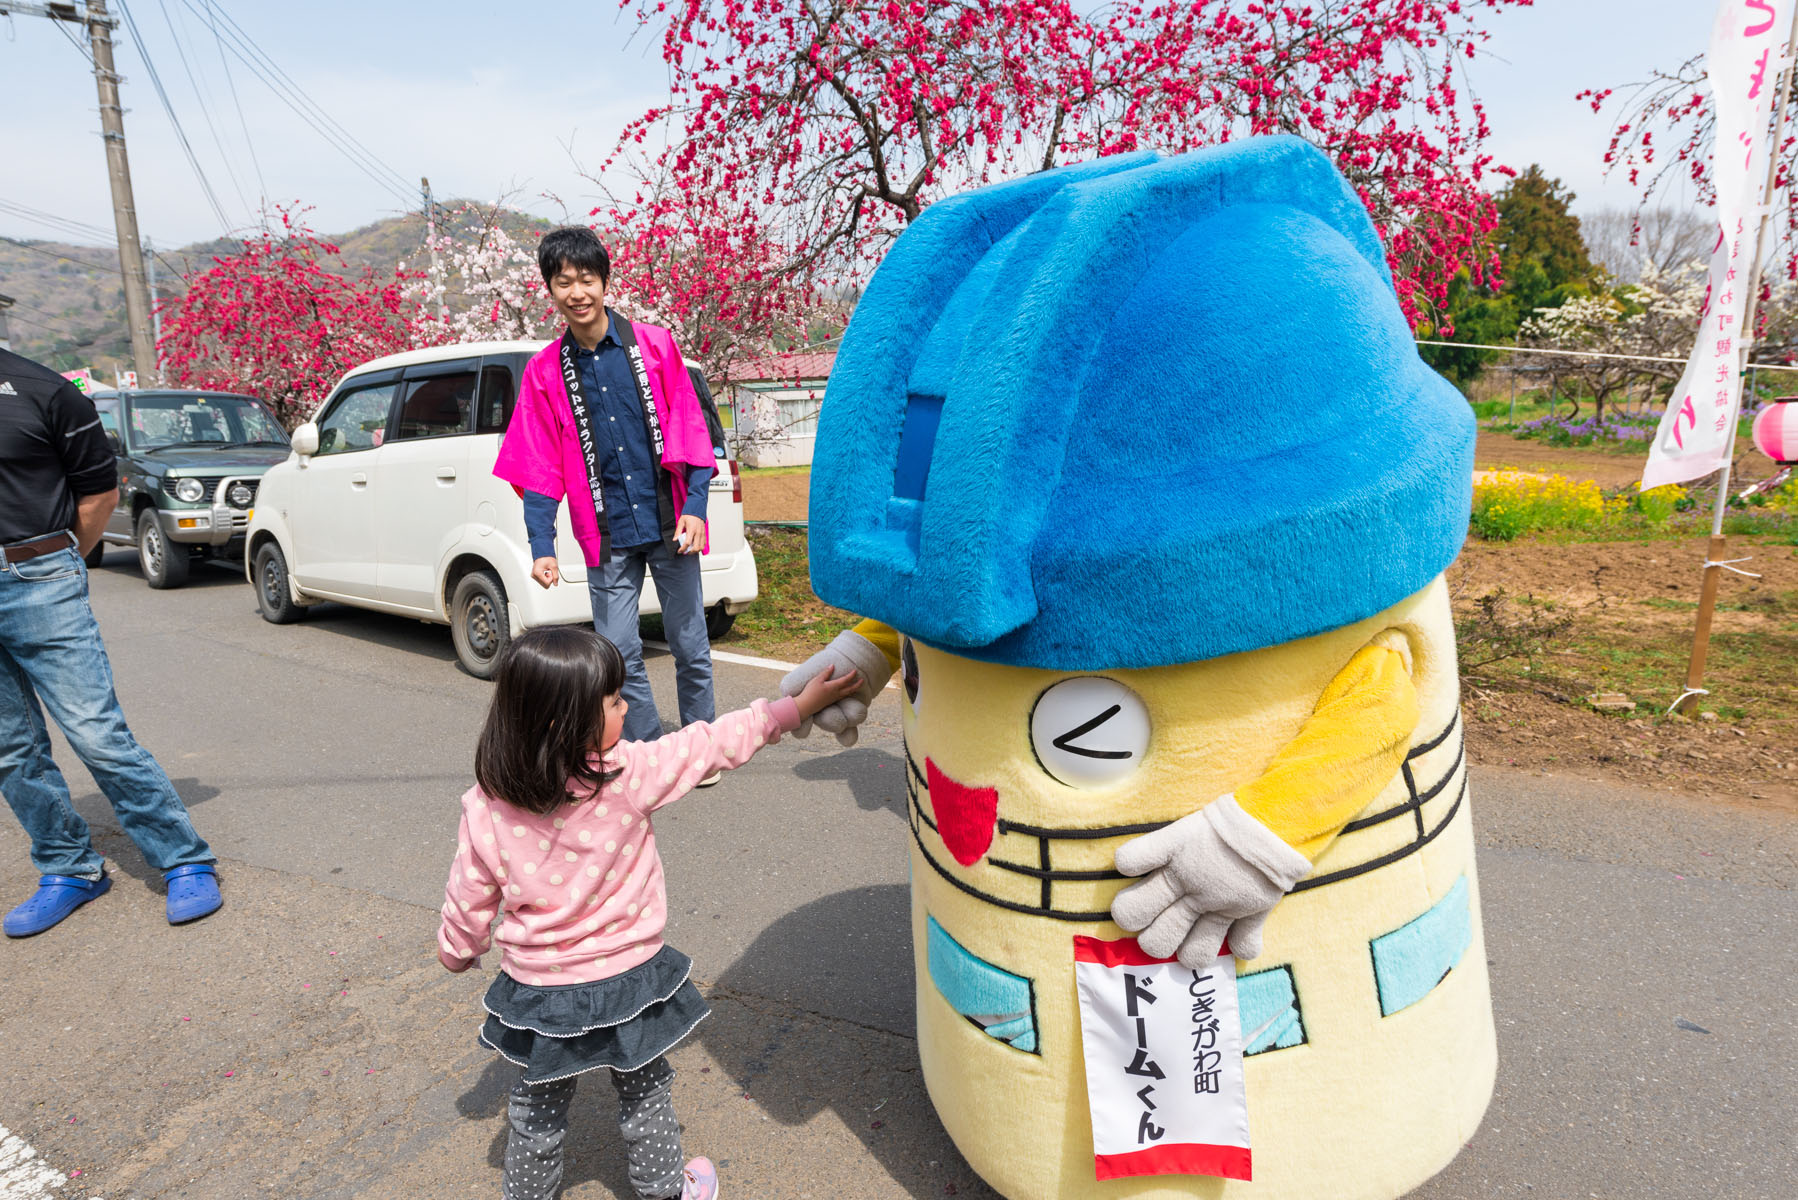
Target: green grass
[772,472]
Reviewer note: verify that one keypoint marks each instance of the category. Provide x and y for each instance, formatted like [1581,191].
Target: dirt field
[1607,468]
[775,497]
[1580,619]
[1630,609]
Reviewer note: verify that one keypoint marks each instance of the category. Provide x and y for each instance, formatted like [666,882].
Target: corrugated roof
[788,367]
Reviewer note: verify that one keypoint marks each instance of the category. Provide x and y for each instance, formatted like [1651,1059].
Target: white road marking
[742,660]
[24,1175]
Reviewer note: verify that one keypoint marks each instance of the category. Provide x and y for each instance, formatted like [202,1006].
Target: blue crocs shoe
[56,897]
[193,892]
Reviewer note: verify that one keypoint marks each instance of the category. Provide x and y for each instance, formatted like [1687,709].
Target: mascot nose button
[964,815]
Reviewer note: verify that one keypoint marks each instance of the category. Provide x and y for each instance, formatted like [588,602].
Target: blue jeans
[50,650]
[615,589]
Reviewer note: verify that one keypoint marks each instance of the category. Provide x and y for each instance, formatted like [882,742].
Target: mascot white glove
[1214,873]
[848,651]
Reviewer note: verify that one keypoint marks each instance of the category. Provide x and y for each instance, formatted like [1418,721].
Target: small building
[775,403]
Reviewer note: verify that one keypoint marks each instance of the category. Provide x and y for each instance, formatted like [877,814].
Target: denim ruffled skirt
[625,1022]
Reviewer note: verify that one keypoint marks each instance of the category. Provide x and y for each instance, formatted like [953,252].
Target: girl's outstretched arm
[470,898]
[653,773]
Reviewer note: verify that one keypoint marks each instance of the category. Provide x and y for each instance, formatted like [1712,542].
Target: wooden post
[1713,557]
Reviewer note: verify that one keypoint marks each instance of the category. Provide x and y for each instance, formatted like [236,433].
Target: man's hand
[1214,873]
[91,513]
[848,653]
[694,530]
[546,572]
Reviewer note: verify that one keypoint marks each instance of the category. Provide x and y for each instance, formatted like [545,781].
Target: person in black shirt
[57,487]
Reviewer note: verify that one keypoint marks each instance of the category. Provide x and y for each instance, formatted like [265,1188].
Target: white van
[389,502]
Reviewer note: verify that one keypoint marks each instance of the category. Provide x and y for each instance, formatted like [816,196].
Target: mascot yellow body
[1137,472]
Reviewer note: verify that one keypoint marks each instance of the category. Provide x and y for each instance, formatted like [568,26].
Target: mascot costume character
[1138,476]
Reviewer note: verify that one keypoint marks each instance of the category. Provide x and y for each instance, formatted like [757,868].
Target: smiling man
[607,418]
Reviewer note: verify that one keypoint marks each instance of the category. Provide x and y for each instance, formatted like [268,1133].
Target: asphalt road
[303,1042]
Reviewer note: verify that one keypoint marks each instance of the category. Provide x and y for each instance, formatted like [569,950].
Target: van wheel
[274,591]
[718,621]
[480,623]
[164,563]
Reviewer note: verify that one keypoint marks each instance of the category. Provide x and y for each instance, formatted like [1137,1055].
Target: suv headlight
[189,490]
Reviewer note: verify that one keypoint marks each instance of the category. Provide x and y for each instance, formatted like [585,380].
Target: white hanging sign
[1163,1051]
[1697,433]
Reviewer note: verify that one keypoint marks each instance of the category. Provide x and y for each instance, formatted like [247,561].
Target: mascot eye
[1090,731]
[908,671]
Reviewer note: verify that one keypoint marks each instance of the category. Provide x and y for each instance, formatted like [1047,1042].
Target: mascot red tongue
[964,815]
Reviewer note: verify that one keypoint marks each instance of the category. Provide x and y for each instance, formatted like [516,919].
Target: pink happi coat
[541,453]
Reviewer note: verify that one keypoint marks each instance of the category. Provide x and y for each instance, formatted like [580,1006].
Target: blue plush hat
[1136,412]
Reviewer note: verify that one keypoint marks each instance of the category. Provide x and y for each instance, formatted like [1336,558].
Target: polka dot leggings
[539,1116]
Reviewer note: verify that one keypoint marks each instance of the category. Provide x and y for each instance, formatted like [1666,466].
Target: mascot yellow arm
[1347,751]
[884,637]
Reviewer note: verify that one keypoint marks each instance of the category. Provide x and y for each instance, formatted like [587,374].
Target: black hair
[575,247]
[548,711]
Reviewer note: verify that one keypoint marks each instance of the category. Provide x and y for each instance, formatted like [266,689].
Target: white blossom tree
[1654,318]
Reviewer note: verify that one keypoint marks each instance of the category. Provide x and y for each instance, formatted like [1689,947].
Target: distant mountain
[69,309]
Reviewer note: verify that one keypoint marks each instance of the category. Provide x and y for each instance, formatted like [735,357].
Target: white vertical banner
[1163,1051]
[1746,55]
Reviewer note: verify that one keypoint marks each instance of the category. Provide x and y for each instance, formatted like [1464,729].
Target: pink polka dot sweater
[579,891]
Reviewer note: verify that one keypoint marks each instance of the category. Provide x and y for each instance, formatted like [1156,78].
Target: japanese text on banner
[1747,53]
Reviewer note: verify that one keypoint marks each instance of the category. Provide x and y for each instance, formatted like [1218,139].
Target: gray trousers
[539,1117]
[615,589]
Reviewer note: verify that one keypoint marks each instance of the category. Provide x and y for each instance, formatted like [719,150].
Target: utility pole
[124,210]
[424,186]
[155,308]
[118,168]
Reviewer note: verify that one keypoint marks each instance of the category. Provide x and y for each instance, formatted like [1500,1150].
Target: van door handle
[358,480]
[446,473]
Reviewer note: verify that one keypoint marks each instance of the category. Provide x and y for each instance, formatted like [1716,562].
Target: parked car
[189,466]
[389,502]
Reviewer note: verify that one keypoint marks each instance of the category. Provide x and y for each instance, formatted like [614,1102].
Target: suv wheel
[274,591]
[480,623]
[718,621]
[164,563]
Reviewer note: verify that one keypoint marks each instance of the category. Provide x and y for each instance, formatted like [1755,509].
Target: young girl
[556,842]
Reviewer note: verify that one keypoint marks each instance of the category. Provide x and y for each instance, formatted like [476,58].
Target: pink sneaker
[701,1180]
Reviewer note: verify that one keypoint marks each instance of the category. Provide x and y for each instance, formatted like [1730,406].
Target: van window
[498,392]
[358,420]
[437,405]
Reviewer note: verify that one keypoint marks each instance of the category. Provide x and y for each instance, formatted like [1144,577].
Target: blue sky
[486,104]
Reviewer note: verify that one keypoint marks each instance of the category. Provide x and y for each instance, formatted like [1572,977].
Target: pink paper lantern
[1776,431]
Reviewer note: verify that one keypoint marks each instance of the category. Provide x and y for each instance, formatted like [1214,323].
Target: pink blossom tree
[282,320]
[833,123]
[1662,131]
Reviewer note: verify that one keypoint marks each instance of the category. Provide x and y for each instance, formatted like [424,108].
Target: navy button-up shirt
[628,471]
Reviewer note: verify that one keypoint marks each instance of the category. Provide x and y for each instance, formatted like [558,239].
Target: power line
[205,103]
[143,50]
[307,109]
[59,223]
[75,42]
[225,65]
[53,254]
